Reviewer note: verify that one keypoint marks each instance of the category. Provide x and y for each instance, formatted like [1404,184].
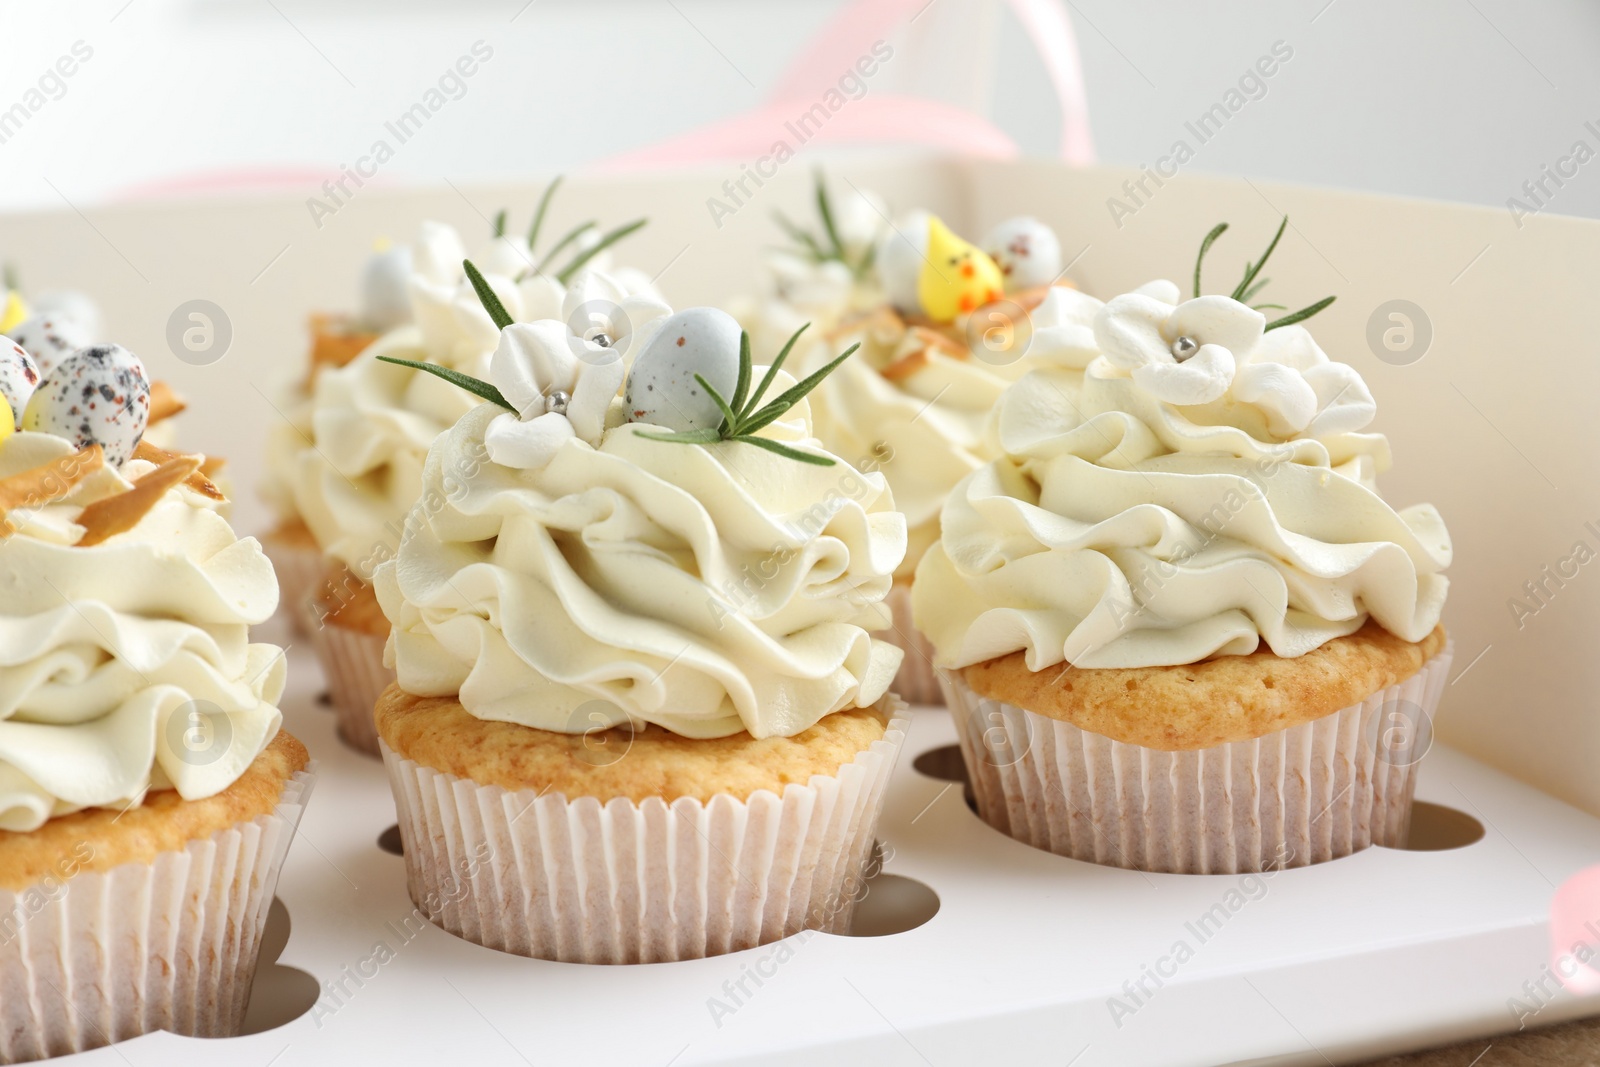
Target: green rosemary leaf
[795,393]
[571,236]
[686,437]
[1274,307]
[456,378]
[746,366]
[565,276]
[729,419]
[500,223]
[769,415]
[1251,270]
[1254,289]
[800,236]
[8,275]
[491,303]
[785,451]
[538,214]
[772,372]
[867,259]
[825,210]
[1205,246]
[1301,315]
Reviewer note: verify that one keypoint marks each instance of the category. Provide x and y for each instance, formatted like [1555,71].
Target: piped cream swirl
[1118,530]
[127,666]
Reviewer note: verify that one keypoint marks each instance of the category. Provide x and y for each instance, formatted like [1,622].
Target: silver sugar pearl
[1183,348]
[557,402]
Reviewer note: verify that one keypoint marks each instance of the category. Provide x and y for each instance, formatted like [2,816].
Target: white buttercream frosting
[706,589]
[358,465]
[1121,528]
[127,666]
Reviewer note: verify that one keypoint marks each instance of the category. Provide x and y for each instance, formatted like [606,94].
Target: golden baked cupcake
[944,327]
[1178,627]
[641,713]
[147,791]
[353,468]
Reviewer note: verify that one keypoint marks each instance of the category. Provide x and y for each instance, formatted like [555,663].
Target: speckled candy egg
[50,340]
[1028,252]
[100,396]
[661,389]
[69,305]
[19,374]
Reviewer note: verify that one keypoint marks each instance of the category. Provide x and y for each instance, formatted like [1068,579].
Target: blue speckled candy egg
[19,374]
[661,389]
[1028,252]
[900,258]
[100,396]
[50,339]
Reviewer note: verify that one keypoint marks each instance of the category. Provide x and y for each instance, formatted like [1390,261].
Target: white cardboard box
[1377,952]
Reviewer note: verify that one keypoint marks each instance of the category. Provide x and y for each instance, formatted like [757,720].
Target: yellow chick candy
[8,420]
[15,313]
[958,277]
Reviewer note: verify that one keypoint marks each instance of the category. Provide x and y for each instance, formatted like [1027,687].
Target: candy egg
[900,260]
[385,293]
[661,389]
[68,305]
[50,340]
[1028,252]
[100,396]
[19,374]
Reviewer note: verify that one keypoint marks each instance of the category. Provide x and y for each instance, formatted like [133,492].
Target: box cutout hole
[390,841]
[280,994]
[943,763]
[893,904]
[1436,828]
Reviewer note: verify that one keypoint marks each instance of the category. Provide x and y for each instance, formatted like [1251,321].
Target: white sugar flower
[1180,353]
[560,375]
[1299,389]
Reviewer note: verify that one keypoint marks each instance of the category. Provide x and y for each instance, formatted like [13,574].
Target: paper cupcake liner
[584,882]
[918,680]
[1307,794]
[299,568]
[352,662]
[103,956]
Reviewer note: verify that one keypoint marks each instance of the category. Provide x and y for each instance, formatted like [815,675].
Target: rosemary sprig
[538,214]
[1301,315]
[491,303]
[744,416]
[1250,271]
[1205,246]
[1252,283]
[475,386]
[571,236]
[500,223]
[566,274]
[830,246]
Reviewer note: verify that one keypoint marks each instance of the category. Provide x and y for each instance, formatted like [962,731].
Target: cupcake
[1178,627]
[147,791]
[944,327]
[358,467]
[336,339]
[639,602]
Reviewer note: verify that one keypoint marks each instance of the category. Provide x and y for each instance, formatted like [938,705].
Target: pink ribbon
[881,118]
[1575,932]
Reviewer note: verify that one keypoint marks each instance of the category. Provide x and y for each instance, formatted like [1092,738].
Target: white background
[1452,99]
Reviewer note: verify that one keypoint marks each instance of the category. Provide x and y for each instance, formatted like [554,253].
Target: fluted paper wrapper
[168,945]
[352,662]
[1307,794]
[582,881]
[918,680]
[299,568]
